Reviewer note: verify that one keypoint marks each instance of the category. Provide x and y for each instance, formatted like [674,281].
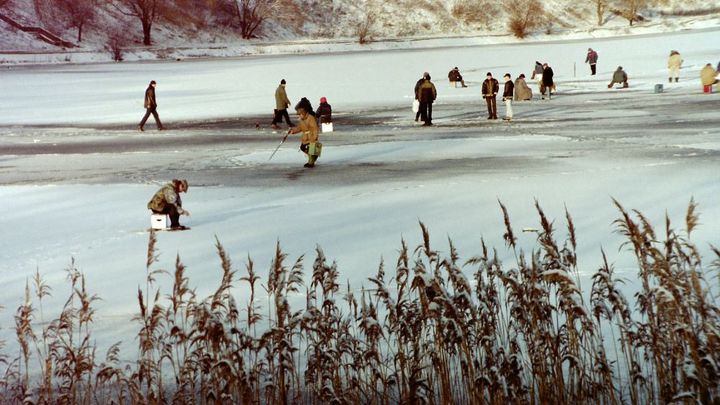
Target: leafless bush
[364,29]
[115,44]
[475,11]
[524,16]
[77,13]
[428,333]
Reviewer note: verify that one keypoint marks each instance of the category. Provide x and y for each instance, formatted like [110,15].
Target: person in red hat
[324,111]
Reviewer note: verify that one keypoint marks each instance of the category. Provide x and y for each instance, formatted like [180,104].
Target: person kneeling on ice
[619,77]
[310,134]
[167,201]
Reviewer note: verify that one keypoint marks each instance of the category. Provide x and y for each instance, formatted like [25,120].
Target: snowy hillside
[194,31]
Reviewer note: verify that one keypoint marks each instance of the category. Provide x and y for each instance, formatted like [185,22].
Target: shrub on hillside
[524,16]
[475,11]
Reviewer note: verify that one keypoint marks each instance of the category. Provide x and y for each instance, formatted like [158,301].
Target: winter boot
[140,128]
[676,79]
[669,79]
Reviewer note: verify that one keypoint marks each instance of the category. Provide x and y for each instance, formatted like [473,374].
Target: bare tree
[365,26]
[600,7]
[524,16]
[251,14]
[77,13]
[147,11]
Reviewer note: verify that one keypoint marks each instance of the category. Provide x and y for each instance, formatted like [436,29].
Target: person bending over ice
[619,77]
[167,201]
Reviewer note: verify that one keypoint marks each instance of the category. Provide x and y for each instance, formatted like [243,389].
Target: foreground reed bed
[435,331]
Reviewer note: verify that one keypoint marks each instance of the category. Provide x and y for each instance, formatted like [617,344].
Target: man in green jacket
[282,102]
[167,201]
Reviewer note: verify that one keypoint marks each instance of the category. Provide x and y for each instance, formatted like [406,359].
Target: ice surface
[77,185]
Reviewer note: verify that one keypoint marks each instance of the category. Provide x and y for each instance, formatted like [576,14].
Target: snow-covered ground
[75,176]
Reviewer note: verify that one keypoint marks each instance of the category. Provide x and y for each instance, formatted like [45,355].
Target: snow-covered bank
[234,49]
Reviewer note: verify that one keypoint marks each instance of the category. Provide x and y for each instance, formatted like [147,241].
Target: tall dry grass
[438,330]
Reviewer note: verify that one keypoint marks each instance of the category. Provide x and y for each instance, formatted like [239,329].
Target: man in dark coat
[490,90]
[547,82]
[167,201]
[417,87]
[591,58]
[426,94]
[150,107]
[508,93]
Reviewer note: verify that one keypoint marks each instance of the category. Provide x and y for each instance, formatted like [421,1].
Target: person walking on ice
[282,102]
[592,58]
[508,92]
[150,107]
[674,63]
[490,90]
[310,139]
[167,201]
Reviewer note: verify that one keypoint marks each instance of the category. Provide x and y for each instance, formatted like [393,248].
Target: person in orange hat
[324,111]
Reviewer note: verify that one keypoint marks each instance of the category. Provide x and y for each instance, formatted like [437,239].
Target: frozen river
[75,176]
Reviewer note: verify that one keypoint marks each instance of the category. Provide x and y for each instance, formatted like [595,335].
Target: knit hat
[181,182]
[152,82]
[489,74]
[323,100]
[282,81]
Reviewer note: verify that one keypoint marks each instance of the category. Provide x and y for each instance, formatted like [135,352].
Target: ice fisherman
[167,201]
[282,102]
[620,76]
[490,90]
[150,107]
[454,76]
[592,58]
[426,94]
[310,138]
[508,92]
[324,111]
[522,90]
[674,63]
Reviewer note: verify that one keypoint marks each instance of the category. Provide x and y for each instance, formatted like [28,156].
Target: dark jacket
[547,77]
[150,102]
[508,90]
[490,88]
[417,87]
[591,58]
[426,92]
[455,76]
[324,112]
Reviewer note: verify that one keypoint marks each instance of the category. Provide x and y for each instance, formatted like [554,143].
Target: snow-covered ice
[75,176]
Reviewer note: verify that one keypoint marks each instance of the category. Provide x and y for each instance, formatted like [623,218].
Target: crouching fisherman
[309,141]
[167,201]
